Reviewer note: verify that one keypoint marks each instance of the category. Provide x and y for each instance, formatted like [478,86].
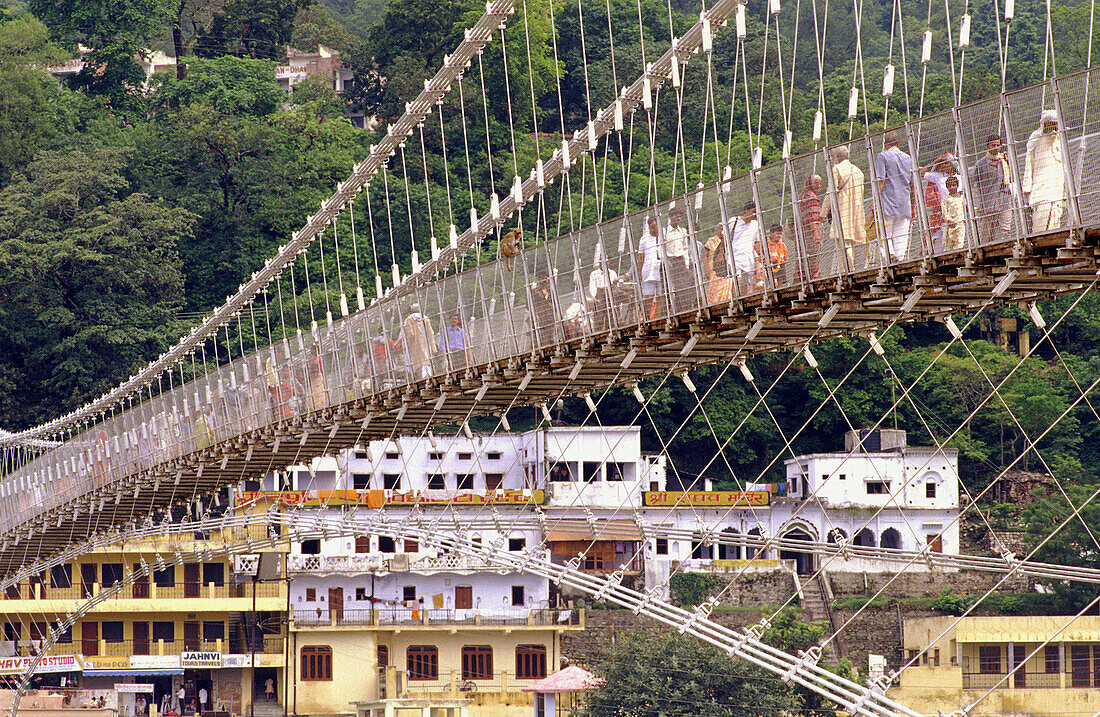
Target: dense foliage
[125,212]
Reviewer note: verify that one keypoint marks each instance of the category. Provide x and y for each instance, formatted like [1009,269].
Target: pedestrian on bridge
[809,206]
[1044,175]
[743,247]
[995,190]
[678,261]
[418,338]
[894,170]
[849,225]
[649,266]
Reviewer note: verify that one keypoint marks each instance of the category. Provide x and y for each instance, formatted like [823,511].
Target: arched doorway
[891,538]
[865,538]
[751,550]
[730,548]
[804,560]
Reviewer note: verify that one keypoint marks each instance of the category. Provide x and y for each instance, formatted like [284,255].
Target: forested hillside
[125,215]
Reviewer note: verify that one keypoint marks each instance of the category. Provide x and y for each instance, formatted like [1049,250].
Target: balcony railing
[407,616]
[1022,679]
[353,563]
[148,590]
[393,682]
[268,645]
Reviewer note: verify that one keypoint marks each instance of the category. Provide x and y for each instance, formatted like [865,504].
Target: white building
[885,494]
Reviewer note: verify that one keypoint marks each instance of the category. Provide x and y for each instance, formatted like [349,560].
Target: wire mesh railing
[809,220]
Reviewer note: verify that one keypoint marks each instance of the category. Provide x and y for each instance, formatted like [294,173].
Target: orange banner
[380,498]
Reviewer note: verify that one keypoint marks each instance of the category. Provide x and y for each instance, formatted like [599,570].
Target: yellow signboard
[705,498]
[380,498]
[105,662]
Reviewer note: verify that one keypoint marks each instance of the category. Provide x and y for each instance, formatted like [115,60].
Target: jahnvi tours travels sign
[200,659]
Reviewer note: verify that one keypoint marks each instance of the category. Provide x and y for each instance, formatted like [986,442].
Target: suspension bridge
[694,279]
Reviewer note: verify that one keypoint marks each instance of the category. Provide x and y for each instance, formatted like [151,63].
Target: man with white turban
[1044,178]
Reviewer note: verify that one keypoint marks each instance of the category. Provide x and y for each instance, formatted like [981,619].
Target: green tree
[258,29]
[315,25]
[89,282]
[117,33]
[1071,545]
[664,674]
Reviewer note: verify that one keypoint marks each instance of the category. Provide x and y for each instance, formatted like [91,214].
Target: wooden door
[935,543]
[1019,660]
[464,597]
[191,636]
[1079,665]
[141,582]
[88,573]
[141,638]
[336,604]
[89,638]
[192,584]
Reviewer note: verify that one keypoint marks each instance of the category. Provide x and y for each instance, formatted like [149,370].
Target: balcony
[268,645]
[347,564]
[395,684]
[400,618]
[146,597]
[1022,679]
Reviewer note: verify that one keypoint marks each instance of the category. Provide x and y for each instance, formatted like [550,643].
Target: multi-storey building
[878,492]
[1028,665]
[200,626]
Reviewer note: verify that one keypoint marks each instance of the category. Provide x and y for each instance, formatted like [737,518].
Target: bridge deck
[564,316]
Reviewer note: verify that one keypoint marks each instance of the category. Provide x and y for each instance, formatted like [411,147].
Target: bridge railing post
[920,206]
[836,230]
[800,242]
[881,240]
[1073,210]
[1018,202]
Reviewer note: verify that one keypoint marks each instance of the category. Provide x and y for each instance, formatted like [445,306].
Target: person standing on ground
[894,171]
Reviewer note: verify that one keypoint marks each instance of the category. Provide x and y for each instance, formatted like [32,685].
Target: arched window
[422,662]
[891,538]
[316,663]
[383,656]
[729,549]
[837,534]
[530,662]
[865,538]
[477,662]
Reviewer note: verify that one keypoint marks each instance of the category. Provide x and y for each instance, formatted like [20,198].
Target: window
[112,631]
[65,637]
[494,481]
[61,576]
[911,655]
[391,481]
[559,473]
[465,456]
[360,481]
[383,656]
[385,544]
[1052,663]
[360,594]
[164,631]
[393,455]
[515,544]
[112,574]
[422,662]
[876,488]
[437,481]
[662,546]
[408,593]
[930,489]
[464,481]
[213,630]
[936,657]
[165,578]
[493,455]
[591,471]
[517,596]
[361,455]
[435,455]
[477,662]
[411,546]
[311,546]
[616,472]
[362,543]
[989,659]
[316,664]
[311,594]
[530,662]
[213,573]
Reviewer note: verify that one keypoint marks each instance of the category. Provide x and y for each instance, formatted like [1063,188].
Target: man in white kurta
[848,224]
[1044,176]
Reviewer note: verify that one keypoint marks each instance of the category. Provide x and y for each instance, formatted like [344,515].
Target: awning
[132,673]
[610,530]
[571,679]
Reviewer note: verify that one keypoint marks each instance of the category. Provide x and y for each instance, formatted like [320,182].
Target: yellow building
[1005,657]
[386,662]
[197,625]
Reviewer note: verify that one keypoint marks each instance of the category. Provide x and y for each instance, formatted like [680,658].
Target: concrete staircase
[815,596]
[263,708]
